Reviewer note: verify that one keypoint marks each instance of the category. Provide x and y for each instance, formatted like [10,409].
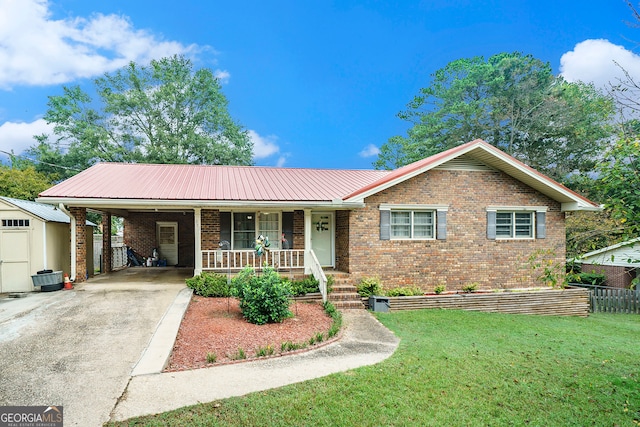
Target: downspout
[73,241]
[44,244]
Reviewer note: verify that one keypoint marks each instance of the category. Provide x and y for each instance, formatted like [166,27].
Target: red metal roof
[254,183]
[200,182]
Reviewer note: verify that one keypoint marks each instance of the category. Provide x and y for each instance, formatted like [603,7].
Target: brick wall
[466,255]
[342,240]
[616,277]
[140,233]
[80,214]
[106,243]
[298,229]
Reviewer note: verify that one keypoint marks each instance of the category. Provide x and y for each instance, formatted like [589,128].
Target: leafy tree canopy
[161,113]
[22,183]
[619,181]
[512,101]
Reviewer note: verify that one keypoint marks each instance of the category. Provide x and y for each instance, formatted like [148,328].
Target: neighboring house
[33,237]
[469,214]
[619,263]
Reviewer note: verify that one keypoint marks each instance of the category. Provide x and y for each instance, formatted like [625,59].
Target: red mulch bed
[216,325]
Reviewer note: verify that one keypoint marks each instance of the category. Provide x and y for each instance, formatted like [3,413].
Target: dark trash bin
[377,303]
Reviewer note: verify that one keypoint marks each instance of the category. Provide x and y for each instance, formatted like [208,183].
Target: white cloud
[263,146]
[370,151]
[281,161]
[222,75]
[594,61]
[38,50]
[17,137]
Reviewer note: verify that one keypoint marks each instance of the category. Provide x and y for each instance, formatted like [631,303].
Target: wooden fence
[556,302]
[612,300]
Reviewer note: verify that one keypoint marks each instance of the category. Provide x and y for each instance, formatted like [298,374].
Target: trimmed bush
[592,278]
[369,286]
[305,286]
[404,292]
[209,284]
[264,298]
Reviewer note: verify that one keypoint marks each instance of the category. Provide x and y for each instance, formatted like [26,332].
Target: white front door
[167,235]
[322,237]
[14,261]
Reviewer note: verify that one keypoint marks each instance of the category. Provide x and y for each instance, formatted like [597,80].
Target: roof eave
[571,201]
[163,204]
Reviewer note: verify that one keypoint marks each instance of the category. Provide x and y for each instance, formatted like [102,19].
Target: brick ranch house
[469,214]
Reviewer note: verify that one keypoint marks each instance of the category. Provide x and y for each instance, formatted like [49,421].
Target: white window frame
[412,209]
[274,244]
[513,211]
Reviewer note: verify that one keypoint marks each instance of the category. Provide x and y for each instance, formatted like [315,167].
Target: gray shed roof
[47,213]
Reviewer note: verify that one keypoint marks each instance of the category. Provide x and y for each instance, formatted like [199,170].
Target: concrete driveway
[77,348]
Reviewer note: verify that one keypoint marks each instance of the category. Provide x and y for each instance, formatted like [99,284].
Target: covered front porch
[221,239]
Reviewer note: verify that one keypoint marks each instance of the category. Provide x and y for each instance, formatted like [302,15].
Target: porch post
[106,243]
[197,218]
[307,240]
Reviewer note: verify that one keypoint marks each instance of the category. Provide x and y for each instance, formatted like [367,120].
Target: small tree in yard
[264,298]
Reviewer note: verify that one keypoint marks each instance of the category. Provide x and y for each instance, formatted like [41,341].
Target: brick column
[80,215]
[106,243]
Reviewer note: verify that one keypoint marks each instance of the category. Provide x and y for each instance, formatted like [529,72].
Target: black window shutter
[491,225]
[441,232]
[287,229]
[225,228]
[541,225]
[385,225]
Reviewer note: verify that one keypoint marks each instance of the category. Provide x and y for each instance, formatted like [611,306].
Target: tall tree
[22,183]
[619,181]
[512,101]
[161,113]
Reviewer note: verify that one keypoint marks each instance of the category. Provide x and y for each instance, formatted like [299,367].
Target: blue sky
[316,83]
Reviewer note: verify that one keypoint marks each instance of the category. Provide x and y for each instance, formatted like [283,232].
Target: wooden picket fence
[603,299]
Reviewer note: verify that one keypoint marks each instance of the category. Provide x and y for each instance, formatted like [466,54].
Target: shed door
[14,261]
[168,241]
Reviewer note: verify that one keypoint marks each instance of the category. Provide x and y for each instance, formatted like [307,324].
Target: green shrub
[369,286]
[211,358]
[264,298]
[291,346]
[331,310]
[404,292]
[592,278]
[268,350]
[305,286]
[238,355]
[439,289]
[208,284]
[470,287]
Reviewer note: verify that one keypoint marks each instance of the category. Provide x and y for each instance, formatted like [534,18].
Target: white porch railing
[235,260]
[318,273]
[279,259]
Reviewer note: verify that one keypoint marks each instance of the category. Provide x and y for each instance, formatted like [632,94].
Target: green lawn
[456,368]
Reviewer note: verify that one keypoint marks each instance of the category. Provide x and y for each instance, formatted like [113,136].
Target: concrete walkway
[364,341]
[98,350]
[76,348]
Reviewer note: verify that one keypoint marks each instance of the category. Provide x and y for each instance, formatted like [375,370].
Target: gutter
[73,241]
